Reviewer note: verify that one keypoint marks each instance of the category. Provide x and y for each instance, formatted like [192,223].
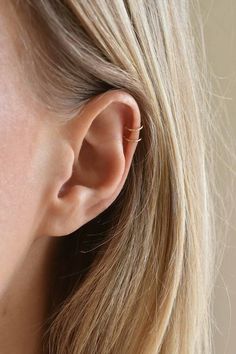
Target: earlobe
[101,159]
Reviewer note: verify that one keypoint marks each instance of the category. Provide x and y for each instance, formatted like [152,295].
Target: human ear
[95,161]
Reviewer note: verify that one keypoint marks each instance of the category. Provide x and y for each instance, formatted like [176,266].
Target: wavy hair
[138,278]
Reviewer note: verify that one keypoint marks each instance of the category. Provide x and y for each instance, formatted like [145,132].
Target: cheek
[18,138]
[19,188]
[21,160]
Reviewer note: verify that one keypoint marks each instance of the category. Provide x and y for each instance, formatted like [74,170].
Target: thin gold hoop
[132,140]
[133,130]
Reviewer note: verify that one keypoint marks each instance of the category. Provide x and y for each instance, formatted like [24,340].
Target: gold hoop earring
[133,130]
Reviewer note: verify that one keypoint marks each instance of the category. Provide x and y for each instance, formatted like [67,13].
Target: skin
[53,179]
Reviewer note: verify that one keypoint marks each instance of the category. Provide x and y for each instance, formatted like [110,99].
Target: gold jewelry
[133,130]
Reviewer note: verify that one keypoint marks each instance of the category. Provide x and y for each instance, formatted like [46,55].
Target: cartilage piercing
[133,130]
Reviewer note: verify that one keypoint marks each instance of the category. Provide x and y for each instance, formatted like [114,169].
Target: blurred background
[219,18]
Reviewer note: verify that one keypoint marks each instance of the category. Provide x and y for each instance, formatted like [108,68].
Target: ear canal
[68,183]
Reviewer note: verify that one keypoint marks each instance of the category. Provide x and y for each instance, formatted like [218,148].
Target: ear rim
[62,206]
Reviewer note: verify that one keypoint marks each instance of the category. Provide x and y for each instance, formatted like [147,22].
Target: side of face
[23,147]
[55,178]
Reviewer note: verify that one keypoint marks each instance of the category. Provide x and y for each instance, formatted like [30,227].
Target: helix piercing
[132,130]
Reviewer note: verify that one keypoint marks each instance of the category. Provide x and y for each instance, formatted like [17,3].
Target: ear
[94,161]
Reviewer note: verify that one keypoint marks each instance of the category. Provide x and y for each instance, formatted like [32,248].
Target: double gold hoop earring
[133,130]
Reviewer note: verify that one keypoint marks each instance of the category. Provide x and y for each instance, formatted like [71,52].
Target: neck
[25,304]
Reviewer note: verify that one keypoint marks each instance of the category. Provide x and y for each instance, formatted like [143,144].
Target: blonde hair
[139,277]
